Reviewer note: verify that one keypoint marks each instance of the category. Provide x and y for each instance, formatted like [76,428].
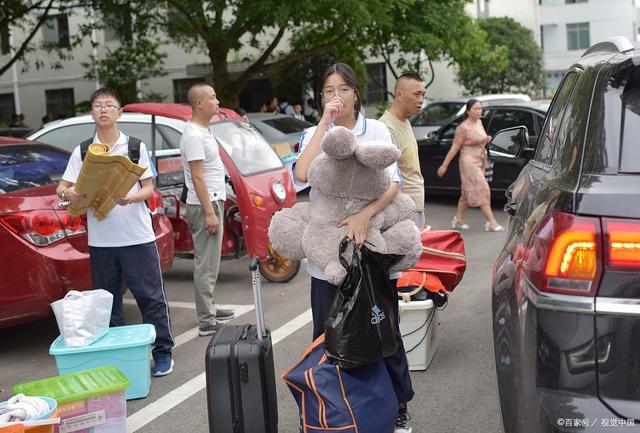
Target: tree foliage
[407,35]
[510,61]
[26,16]
[120,68]
[415,34]
[222,27]
[138,56]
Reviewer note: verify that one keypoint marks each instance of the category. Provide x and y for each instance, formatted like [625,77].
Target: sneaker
[163,366]
[455,224]
[209,329]
[403,422]
[223,315]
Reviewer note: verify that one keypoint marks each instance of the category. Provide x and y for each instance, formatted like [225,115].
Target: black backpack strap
[134,149]
[133,144]
[84,147]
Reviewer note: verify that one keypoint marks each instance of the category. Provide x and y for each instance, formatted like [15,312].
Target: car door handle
[510,208]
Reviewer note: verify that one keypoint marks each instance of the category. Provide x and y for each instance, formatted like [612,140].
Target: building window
[60,103]
[542,37]
[7,108]
[578,36]
[55,31]
[570,2]
[5,47]
[111,33]
[376,87]
[181,86]
[116,25]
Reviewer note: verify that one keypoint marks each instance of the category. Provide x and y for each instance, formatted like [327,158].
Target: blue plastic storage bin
[125,347]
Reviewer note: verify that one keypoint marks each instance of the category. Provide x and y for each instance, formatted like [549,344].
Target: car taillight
[43,227]
[565,255]
[296,147]
[73,225]
[622,249]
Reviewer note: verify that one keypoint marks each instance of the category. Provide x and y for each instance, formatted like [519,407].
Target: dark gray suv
[566,286]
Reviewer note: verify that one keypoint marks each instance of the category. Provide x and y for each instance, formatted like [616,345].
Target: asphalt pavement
[457,393]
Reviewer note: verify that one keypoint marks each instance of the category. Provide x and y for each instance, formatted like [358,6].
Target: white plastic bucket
[418,326]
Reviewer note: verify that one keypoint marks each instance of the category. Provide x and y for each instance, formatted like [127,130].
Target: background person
[122,246]
[341,101]
[471,140]
[204,178]
[272,106]
[408,97]
[297,111]
[310,112]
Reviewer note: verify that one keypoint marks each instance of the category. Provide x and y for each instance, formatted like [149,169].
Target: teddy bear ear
[377,154]
[338,143]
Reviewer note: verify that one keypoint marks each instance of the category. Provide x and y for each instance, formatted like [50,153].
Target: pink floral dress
[472,162]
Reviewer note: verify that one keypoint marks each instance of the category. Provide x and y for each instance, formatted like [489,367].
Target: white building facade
[568,27]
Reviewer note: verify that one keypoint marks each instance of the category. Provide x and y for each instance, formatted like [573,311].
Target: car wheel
[277,268]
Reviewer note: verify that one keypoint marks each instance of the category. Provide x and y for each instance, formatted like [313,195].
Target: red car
[43,250]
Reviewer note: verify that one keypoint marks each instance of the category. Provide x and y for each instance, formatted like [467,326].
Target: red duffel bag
[443,256]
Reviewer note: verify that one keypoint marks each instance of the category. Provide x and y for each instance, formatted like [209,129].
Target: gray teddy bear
[347,176]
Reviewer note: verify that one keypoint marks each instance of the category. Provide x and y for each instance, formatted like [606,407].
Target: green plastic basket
[76,386]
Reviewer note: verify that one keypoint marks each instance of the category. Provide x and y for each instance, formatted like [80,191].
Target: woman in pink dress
[470,139]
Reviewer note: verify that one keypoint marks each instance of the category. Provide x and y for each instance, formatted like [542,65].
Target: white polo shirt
[199,144]
[365,130]
[124,225]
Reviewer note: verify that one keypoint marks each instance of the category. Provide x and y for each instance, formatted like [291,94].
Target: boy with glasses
[122,246]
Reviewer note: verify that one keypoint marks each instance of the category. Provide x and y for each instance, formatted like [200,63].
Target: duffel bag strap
[406,296]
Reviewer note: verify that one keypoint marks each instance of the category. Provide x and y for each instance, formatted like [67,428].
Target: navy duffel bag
[358,400]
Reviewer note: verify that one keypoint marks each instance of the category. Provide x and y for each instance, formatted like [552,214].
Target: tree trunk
[226,90]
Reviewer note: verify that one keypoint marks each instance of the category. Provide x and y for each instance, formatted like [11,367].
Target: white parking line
[167,402]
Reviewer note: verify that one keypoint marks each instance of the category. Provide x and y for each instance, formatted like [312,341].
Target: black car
[434,148]
[566,285]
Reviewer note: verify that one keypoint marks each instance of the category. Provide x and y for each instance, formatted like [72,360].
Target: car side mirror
[528,152]
[432,136]
[509,142]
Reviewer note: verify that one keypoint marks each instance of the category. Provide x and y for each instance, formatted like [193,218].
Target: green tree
[137,58]
[511,61]
[409,36]
[222,27]
[415,34]
[26,16]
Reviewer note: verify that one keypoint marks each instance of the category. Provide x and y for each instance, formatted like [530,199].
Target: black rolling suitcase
[241,384]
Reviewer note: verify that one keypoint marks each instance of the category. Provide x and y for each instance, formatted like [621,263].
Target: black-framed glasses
[109,108]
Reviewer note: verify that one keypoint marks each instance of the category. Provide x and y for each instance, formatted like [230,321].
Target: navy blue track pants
[139,266]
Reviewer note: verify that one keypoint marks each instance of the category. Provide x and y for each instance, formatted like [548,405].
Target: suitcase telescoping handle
[257,296]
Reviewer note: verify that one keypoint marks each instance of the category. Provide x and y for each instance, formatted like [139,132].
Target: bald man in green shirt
[409,95]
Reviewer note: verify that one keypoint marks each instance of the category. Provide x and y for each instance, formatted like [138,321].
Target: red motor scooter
[258,185]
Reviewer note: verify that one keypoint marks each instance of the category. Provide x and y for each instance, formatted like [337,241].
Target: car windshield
[436,113]
[30,166]
[246,147]
[288,125]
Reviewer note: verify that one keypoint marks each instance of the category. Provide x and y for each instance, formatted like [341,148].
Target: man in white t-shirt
[122,246]
[204,178]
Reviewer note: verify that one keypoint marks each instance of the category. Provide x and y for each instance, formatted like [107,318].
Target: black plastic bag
[361,326]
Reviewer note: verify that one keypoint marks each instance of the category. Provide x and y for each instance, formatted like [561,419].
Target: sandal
[456,225]
[497,228]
